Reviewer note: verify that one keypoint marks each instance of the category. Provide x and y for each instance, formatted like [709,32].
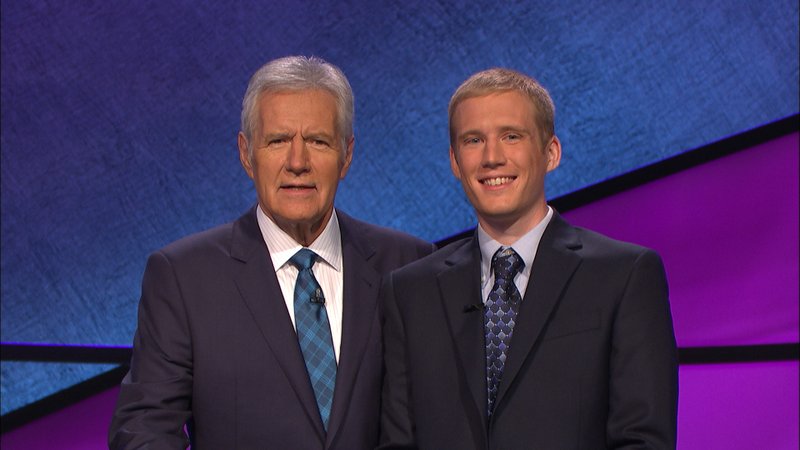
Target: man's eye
[472,141]
[277,141]
[513,137]
[317,142]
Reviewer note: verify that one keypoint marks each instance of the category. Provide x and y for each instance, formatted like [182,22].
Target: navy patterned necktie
[314,332]
[500,312]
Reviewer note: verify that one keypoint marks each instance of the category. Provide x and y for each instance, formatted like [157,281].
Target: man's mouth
[497,181]
[297,187]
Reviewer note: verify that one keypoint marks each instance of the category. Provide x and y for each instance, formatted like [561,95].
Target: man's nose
[493,154]
[297,158]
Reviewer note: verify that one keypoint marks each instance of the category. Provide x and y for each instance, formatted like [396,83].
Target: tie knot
[303,259]
[506,264]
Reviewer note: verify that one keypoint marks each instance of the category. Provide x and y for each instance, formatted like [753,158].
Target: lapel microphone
[318,297]
[471,308]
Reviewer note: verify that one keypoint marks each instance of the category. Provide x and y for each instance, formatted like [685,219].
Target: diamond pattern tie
[500,312]
[314,332]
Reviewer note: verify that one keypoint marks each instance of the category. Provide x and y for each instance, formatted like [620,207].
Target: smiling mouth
[497,181]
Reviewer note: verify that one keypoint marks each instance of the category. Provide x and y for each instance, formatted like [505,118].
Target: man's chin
[499,217]
[496,213]
[308,218]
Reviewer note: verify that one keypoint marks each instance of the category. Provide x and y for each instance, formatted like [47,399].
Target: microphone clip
[318,297]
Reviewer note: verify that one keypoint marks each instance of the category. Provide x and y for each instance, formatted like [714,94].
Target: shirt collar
[328,245]
[525,246]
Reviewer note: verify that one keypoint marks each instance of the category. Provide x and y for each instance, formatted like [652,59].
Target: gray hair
[503,80]
[299,73]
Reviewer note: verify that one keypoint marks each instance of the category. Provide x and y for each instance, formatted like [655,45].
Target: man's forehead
[311,99]
[312,105]
[496,107]
[505,96]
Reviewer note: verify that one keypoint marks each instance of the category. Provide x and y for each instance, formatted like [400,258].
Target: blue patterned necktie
[314,332]
[500,312]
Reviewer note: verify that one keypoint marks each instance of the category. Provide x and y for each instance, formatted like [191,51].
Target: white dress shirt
[328,268]
[525,247]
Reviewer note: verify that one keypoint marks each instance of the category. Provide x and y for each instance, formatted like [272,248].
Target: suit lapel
[554,265]
[360,296]
[459,286]
[262,295]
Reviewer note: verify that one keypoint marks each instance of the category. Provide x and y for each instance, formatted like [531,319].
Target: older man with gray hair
[264,332]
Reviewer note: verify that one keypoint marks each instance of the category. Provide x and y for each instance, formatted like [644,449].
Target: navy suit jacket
[592,362]
[215,347]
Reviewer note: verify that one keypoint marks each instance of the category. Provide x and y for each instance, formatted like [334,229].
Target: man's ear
[454,164]
[553,151]
[244,154]
[348,157]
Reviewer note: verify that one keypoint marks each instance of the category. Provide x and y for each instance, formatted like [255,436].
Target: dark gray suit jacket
[215,347]
[592,362]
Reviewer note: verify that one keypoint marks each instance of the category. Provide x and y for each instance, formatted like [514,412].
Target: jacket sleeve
[397,423]
[154,402]
[643,391]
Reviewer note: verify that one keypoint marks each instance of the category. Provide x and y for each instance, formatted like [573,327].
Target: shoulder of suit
[600,245]
[377,235]
[206,242]
[437,261]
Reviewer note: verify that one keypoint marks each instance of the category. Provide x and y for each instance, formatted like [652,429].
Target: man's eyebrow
[503,129]
[317,134]
[516,129]
[275,135]
[469,133]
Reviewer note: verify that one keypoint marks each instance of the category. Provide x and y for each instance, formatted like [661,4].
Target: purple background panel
[739,406]
[722,406]
[82,426]
[727,231]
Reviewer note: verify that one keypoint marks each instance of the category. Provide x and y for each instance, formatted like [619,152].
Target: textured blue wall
[119,122]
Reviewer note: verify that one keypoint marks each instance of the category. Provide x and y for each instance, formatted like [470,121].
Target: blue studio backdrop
[119,123]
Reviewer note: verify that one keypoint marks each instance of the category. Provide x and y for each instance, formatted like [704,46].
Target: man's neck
[304,233]
[509,231]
